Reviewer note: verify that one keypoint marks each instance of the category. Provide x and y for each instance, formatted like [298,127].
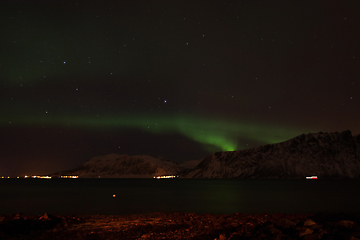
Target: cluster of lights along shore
[312,177]
[156,177]
[48,177]
[43,177]
[165,176]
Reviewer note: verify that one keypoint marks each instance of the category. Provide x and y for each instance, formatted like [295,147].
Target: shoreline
[182,226]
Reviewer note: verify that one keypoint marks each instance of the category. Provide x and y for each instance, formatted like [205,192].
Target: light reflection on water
[95,196]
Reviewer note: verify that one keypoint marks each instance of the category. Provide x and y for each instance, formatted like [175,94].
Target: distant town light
[69,176]
[312,177]
[42,177]
[165,176]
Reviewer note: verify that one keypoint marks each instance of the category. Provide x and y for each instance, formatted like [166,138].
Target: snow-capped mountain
[124,166]
[327,155]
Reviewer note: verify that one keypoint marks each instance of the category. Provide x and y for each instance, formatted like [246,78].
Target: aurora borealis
[220,134]
[171,79]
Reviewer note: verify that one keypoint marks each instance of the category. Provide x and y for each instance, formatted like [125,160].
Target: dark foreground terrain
[182,226]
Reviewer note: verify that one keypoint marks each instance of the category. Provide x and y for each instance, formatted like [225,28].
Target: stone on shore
[308,223]
[156,226]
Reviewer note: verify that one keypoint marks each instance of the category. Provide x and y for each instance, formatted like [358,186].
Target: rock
[356,228]
[44,217]
[285,223]
[315,226]
[307,232]
[345,224]
[260,235]
[166,226]
[314,236]
[269,225]
[275,231]
[145,236]
[235,236]
[308,222]
[222,237]
[18,216]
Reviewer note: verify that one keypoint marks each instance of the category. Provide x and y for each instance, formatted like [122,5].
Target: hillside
[327,155]
[124,166]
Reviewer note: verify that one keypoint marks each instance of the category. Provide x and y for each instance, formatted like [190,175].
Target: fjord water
[135,196]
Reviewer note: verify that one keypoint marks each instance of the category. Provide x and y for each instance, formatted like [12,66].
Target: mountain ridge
[124,166]
[327,155]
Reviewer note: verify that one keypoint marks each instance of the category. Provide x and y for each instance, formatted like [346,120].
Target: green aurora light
[222,134]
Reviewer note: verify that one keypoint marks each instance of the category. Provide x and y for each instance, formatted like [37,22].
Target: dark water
[95,196]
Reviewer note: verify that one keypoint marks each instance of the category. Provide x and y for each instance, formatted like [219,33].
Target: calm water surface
[95,196]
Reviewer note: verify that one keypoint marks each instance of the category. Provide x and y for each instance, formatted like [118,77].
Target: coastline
[182,226]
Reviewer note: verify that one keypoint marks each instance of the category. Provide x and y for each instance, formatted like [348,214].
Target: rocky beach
[182,226]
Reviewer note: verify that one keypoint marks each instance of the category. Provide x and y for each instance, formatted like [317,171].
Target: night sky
[171,79]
